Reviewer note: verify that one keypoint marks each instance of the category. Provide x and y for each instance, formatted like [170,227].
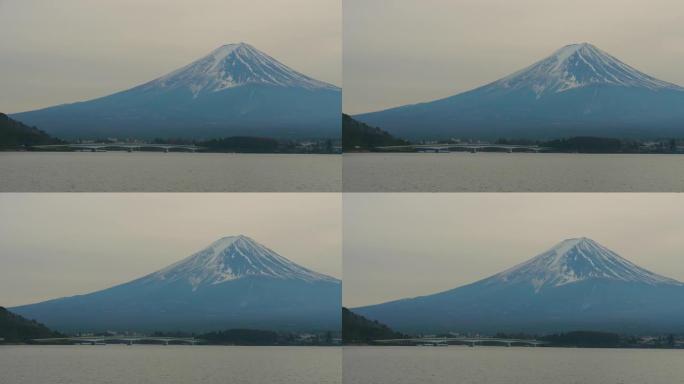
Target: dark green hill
[358,329]
[15,328]
[14,134]
[357,136]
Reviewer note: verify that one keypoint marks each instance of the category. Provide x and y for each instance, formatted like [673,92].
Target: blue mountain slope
[578,90]
[576,285]
[233,283]
[235,90]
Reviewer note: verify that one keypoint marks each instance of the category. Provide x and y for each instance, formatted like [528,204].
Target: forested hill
[357,136]
[16,329]
[358,329]
[15,133]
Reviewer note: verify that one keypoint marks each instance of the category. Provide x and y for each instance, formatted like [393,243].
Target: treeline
[246,336]
[253,144]
[585,339]
[241,144]
[598,339]
[241,337]
[590,144]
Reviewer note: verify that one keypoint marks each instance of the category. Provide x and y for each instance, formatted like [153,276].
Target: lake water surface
[512,172]
[168,172]
[502,365]
[148,364]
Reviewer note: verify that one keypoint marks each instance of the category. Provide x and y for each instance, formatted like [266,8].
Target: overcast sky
[407,245]
[54,245]
[53,52]
[406,51]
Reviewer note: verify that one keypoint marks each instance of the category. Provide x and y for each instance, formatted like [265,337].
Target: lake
[512,172]
[502,365]
[168,172]
[149,364]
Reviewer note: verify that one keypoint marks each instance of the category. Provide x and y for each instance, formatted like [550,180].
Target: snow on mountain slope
[233,65]
[576,66]
[232,258]
[575,260]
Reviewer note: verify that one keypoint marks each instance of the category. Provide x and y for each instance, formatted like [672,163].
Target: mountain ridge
[229,258]
[232,65]
[560,71]
[592,260]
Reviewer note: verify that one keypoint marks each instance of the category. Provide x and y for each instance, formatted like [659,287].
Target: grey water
[168,172]
[150,364]
[515,365]
[512,172]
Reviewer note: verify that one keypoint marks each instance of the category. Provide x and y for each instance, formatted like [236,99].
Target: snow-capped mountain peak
[575,260]
[576,66]
[230,66]
[231,258]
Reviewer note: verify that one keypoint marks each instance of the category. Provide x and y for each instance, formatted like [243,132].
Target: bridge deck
[463,340]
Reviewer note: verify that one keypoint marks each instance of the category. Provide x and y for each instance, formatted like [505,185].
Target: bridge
[130,340]
[471,341]
[130,147]
[473,148]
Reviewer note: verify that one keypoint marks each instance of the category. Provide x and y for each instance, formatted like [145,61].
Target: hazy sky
[53,52]
[406,51]
[407,245]
[53,245]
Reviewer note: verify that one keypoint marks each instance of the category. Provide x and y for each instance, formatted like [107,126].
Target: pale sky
[54,52]
[400,52]
[405,245]
[54,245]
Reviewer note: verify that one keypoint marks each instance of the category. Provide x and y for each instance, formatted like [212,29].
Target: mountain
[576,285]
[233,283]
[358,136]
[579,90]
[14,328]
[236,90]
[14,133]
[358,329]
